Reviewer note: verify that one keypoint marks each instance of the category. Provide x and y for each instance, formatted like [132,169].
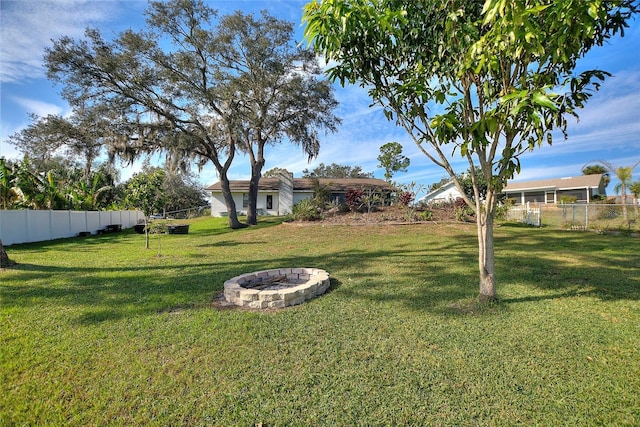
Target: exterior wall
[446,193]
[25,226]
[300,196]
[219,207]
[286,197]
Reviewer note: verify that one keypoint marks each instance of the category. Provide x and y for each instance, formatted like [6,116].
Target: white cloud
[27,27]
[38,108]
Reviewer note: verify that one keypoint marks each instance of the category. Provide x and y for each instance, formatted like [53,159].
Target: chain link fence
[586,216]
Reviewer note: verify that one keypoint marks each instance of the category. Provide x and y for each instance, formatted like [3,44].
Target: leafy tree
[81,135]
[392,160]
[336,171]
[182,191]
[144,191]
[490,80]
[282,95]
[596,170]
[476,178]
[8,192]
[228,84]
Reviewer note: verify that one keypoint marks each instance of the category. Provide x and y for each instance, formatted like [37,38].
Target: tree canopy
[199,87]
[486,80]
[596,170]
[392,160]
[335,170]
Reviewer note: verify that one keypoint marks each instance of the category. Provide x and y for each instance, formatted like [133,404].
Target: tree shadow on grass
[435,277]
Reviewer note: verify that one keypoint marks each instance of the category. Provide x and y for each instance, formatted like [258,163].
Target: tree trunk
[623,190]
[234,223]
[252,207]
[486,257]
[5,262]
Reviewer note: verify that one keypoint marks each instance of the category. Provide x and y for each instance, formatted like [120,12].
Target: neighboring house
[583,188]
[447,193]
[277,196]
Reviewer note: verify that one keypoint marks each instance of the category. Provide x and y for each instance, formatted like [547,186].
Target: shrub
[426,215]
[568,200]
[405,198]
[354,199]
[306,210]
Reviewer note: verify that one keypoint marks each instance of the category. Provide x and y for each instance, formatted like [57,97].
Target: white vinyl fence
[24,226]
[527,214]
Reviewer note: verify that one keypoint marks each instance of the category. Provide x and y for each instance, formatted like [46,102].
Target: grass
[100,331]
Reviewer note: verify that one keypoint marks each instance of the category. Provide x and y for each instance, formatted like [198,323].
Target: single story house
[584,188]
[447,193]
[277,196]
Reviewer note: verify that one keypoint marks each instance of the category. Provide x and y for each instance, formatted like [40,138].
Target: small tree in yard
[392,160]
[488,80]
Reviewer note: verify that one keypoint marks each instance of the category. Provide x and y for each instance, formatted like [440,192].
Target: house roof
[306,184]
[582,181]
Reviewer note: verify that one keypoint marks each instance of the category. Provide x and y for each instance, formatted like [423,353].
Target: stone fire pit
[276,288]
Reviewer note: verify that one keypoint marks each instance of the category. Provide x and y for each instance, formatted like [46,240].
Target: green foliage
[306,210]
[598,169]
[335,170]
[199,87]
[489,80]
[144,191]
[564,199]
[426,215]
[392,160]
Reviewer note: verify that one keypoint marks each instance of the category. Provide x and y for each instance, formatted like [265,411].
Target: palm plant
[625,175]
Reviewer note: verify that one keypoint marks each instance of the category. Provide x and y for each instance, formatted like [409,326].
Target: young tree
[337,171]
[392,160]
[144,191]
[489,80]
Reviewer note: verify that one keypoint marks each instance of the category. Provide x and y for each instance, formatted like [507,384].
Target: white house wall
[219,207]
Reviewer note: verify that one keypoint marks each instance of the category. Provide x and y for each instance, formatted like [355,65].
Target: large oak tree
[488,80]
[183,87]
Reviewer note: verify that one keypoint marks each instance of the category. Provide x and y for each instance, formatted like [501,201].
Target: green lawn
[100,331]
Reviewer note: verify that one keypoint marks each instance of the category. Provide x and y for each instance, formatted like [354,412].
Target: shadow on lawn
[420,277]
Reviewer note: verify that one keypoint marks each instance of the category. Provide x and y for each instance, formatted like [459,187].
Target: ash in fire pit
[276,288]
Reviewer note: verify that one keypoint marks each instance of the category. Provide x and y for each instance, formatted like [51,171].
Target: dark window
[245,200]
[269,201]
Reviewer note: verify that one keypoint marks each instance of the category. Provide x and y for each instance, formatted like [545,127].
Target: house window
[245,200]
[269,201]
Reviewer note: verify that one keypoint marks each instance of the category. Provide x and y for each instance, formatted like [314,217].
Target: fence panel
[592,216]
[24,226]
[528,214]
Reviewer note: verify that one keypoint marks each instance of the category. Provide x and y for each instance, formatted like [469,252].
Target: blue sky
[608,129]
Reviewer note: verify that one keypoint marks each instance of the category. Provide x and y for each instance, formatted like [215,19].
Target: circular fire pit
[276,288]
